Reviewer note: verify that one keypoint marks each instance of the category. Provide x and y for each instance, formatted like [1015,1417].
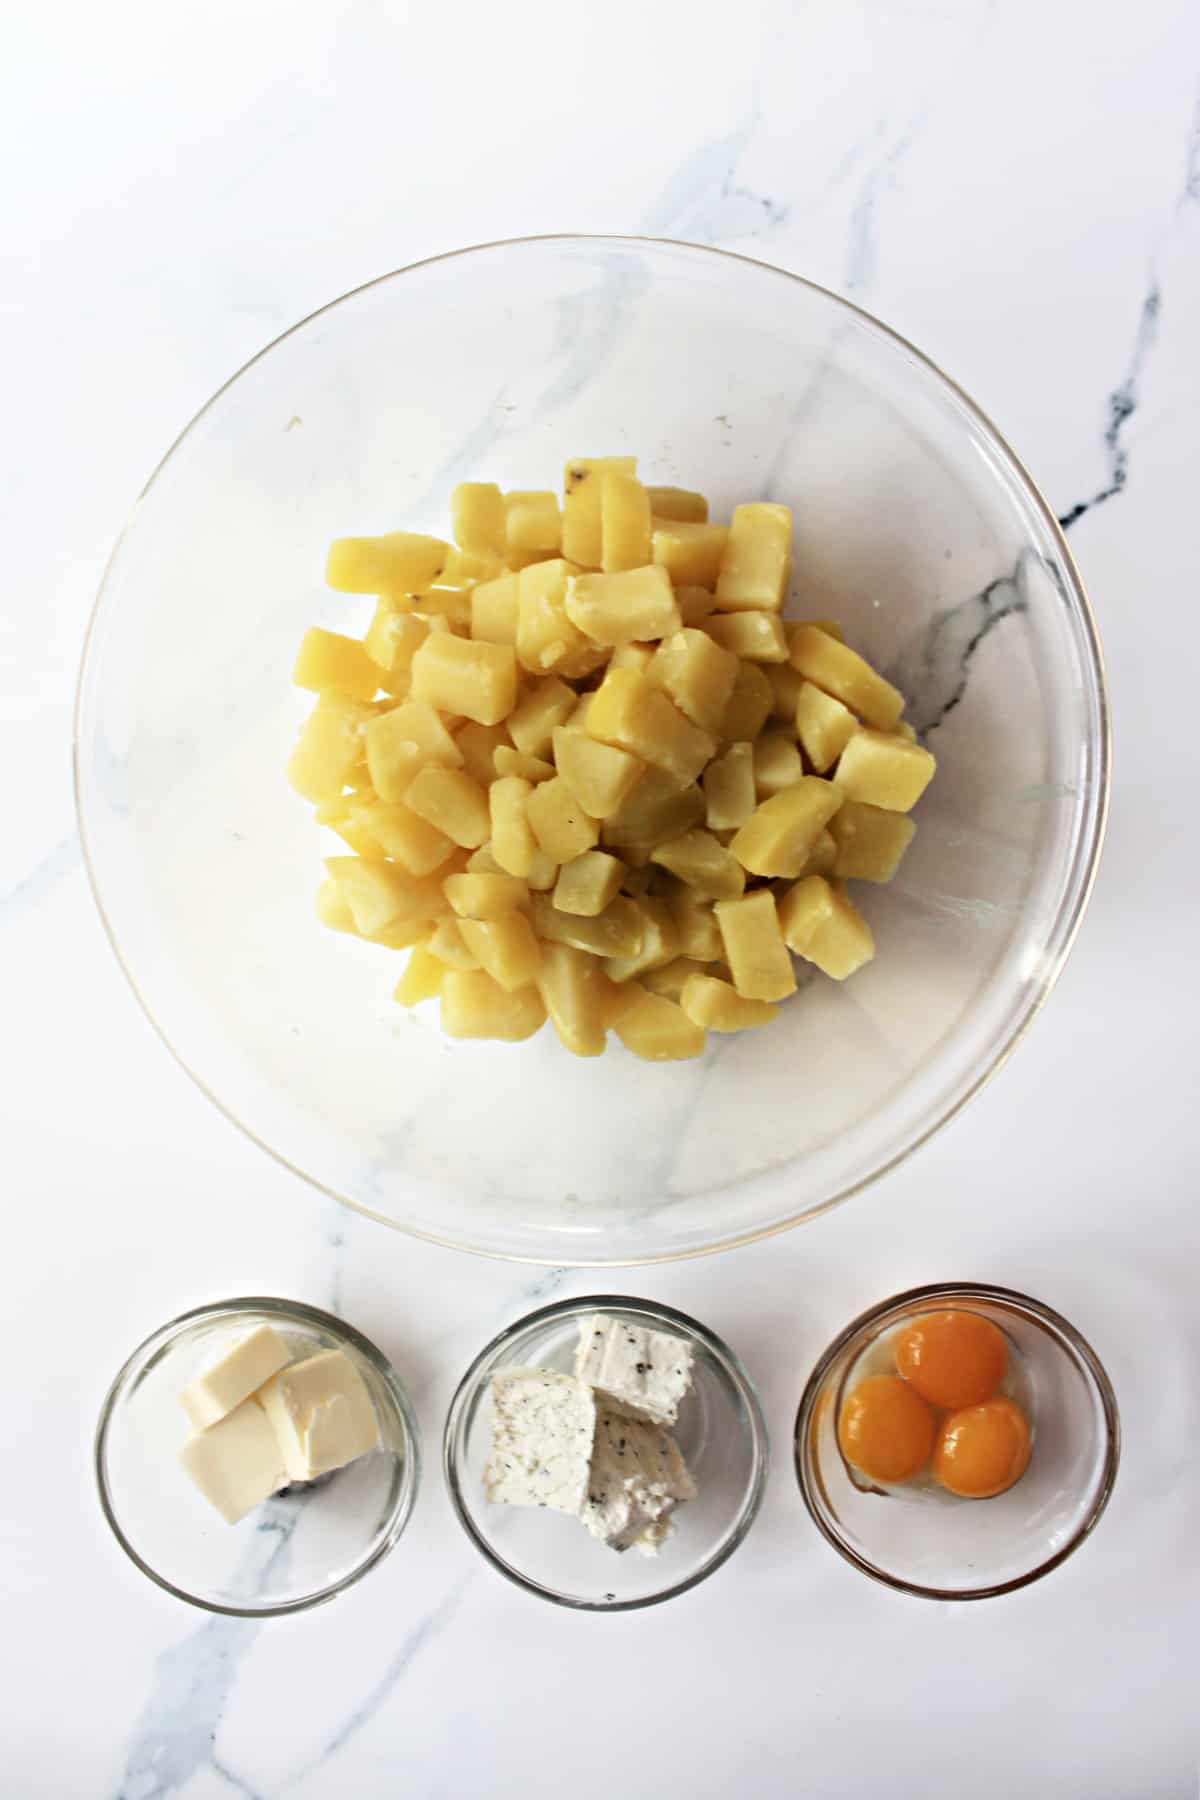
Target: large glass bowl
[915,526]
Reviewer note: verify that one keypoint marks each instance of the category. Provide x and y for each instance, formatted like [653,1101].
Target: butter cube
[321,1414]
[245,1365]
[237,1462]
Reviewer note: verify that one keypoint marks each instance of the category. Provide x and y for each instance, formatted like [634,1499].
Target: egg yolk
[885,1429]
[982,1450]
[953,1359]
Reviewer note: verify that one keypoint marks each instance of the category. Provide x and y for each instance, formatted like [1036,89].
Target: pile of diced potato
[587,771]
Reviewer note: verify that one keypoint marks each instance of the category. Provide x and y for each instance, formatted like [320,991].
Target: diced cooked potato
[583,496]
[626,608]
[754,947]
[757,559]
[400,562]
[828,664]
[883,770]
[823,855]
[696,674]
[328,660]
[632,656]
[823,725]
[543,871]
[403,741]
[717,1006]
[617,931]
[754,636]
[629,711]
[449,799]
[659,941]
[449,608]
[378,894]
[777,763]
[822,924]
[543,706]
[513,843]
[460,675]
[392,640]
[494,610]
[479,744]
[703,863]
[560,825]
[333,909]
[676,503]
[694,603]
[329,745]
[405,837]
[477,517]
[465,569]
[547,640]
[624,523]
[658,1030]
[349,822]
[575,994]
[600,776]
[531,521]
[636,880]
[485,896]
[475,1006]
[671,978]
[906,731]
[505,947]
[690,552]
[749,705]
[786,683]
[696,928]
[422,978]
[515,762]
[869,841]
[729,789]
[588,883]
[655,809]
[448,944]
[777,837]
[830,627]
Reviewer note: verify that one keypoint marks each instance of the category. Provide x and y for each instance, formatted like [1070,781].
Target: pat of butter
[321,1413]
[237,1462]
[246,1364]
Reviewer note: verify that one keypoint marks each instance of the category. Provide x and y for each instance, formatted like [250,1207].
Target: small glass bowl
[721,1432]
[924,1541]
[298,1548]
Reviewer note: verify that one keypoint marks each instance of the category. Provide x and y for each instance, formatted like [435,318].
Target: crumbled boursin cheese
[636,1371]
[543,1427]
[636,1479]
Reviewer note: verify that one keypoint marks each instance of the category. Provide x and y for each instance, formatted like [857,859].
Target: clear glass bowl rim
[663,1316]
[1071,1341]
[1079,881]
[270,1306]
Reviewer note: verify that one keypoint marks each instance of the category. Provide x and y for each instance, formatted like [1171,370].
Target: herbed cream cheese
[543,1428]
[637,1371]
[636,1479]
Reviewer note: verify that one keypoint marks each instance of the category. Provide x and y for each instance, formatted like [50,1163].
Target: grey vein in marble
[32,889]
[704,198]
[934,667]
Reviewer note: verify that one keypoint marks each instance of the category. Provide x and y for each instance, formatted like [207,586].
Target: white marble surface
[1015,187]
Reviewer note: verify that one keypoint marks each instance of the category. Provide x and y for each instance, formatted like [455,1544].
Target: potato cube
[777,763]
[717,1006]
[422,978]
[513,842]
[405,837]
[754,946]
[401,562]
[676,503]
[327,659]
[657,808]
[392,640]
[583,498]
[884,770]
[477,517]
[448,944]
[484,896]
[658,1030]
[459,675]
[450,607]
[659,941]
[475,1006]
[481,862]
[329,745]
[636,880]
[505,947]
[403,741]
[624,523]
[515,762]
[823,725]
[588,883]
[617,931]
[333,909]
[378,894]
[754,636]
[479,744]
[749,705]
[786,683]
[729,790]
[671,977]
[869,842]
[464,569]
[777,837]
[629,711]
[823,855]
[906,731]
[575,994]
[632,656]
[543,706]
[449,799]
[631,607]
[694,603]
[351,826]
[531,521]
[703,863]
[828,664]
[547,641]
[830,627]
[494,610]
[697,931]
[560,825]
[696,674]
[824,926]
[543,871]
[757,559]
[689,552]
